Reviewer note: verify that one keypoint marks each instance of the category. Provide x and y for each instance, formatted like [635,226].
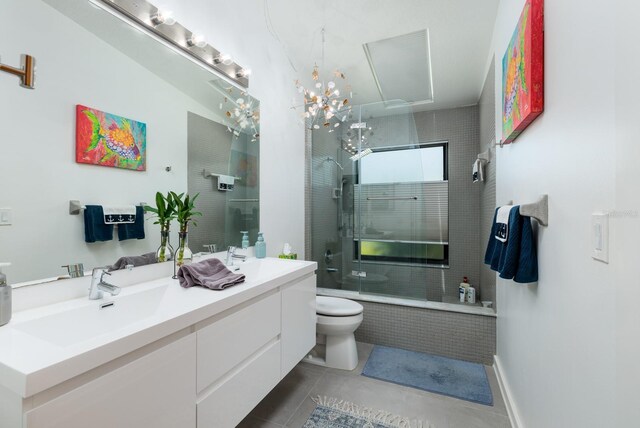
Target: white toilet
[337,320]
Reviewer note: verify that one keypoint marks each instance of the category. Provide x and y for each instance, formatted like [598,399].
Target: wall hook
[27,73]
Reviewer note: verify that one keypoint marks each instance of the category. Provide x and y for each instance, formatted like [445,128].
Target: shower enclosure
[380,207]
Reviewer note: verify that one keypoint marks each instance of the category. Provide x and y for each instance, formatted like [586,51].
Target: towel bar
[75,207]
[209,174]
[393,198]
[537,210]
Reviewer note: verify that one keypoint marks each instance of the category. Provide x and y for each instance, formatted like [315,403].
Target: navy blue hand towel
[516,258]
[133,230]
[94,227]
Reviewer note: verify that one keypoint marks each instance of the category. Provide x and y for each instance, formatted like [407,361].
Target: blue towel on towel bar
[133,230]
[94,227]
[516,258]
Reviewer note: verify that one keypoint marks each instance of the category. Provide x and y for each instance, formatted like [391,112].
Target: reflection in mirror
[94,59]
[216,159]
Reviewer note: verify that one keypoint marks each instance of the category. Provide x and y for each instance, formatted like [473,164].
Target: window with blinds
[403,198]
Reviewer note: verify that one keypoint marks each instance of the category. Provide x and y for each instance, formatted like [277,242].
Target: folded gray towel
[145,259]
[210,273]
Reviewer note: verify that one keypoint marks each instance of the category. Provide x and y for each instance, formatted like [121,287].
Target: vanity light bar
[150,18]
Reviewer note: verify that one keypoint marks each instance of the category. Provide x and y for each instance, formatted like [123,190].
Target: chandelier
[325,104]
[243,115]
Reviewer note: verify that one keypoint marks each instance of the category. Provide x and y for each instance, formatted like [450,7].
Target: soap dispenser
[261,247]
[245,239]
[5,297]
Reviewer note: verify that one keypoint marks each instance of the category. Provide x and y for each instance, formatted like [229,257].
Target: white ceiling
[460,33]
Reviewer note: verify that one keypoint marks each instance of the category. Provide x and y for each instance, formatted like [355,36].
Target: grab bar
[393,198]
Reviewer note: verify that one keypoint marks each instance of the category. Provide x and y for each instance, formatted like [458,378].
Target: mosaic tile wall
[324,176]
[450,334]
[488,188]
[460,127]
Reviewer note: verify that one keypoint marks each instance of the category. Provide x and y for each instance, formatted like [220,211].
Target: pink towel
[210,273]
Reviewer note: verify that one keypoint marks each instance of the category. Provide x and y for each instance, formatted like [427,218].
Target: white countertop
[35,357]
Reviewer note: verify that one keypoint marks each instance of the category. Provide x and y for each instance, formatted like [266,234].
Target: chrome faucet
[98,284]
[231,254]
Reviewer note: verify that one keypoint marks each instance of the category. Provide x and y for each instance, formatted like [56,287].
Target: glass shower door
[400,201]
[379,206]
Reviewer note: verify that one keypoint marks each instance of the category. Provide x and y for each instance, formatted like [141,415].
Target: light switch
[600,237]
[6,215]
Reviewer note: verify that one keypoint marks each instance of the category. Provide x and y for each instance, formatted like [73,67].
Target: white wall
[38,172]
[557,342]
[626,227]
[238,28]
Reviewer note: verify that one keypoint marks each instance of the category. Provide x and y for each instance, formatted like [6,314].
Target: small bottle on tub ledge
[462,290]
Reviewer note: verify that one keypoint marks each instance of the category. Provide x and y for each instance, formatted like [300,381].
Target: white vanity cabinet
[244,355]
[238,362]
[156,390]
[208,372]
[298,319]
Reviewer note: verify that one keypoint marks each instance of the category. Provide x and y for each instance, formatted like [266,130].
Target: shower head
[330,159]
[362,154]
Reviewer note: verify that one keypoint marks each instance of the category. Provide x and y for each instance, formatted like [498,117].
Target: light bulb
[223,59]
[163,17]
[245,72]
[197,40]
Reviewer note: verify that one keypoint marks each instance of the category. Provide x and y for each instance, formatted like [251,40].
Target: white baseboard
[512,410]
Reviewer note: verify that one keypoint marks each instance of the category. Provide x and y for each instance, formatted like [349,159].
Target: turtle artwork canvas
[109,140]
[523,72]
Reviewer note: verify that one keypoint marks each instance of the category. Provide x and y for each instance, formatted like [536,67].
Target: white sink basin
[79,324]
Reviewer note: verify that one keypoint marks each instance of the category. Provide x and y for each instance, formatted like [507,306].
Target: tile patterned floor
[290,403]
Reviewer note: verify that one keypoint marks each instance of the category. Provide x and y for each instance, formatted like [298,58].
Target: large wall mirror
[86,56]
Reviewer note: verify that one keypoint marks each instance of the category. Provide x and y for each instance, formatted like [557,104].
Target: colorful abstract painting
[109,140]
[523,72]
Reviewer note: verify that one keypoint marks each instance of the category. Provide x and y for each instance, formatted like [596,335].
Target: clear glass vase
[184,254]
[165,250]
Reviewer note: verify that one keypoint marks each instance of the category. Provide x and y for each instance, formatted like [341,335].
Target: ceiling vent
[401,67]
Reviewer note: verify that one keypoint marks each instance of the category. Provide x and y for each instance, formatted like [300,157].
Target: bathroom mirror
[89,57]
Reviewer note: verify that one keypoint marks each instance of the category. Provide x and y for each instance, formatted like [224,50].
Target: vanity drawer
[234,338]
[228,403]
[156,390]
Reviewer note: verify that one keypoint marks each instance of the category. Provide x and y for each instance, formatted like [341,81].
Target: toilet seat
[337,307]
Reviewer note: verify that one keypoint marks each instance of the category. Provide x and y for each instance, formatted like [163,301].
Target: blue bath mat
[455,378]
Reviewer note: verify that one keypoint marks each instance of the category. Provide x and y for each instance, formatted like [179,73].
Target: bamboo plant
[164,212]
[185,213]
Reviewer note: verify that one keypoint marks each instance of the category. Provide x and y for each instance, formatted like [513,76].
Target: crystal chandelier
[324,104]
[243,115]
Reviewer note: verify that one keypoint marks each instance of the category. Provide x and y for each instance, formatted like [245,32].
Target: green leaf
[149,209]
